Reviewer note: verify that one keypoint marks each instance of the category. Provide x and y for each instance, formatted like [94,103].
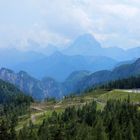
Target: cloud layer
[112,22]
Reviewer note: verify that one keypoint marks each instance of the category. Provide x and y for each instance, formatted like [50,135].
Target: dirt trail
[37,108]
[33,118]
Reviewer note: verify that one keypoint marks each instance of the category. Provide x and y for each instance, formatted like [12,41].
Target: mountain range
[59,66]
[76,82]
[100,77]
[87,45]
[84,53]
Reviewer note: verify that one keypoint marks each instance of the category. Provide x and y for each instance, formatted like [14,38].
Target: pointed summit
[87,40]
[85,44]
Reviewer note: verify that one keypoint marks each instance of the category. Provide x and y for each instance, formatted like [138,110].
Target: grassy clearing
[43,115]
[120,95]
[36,118]
[40,111]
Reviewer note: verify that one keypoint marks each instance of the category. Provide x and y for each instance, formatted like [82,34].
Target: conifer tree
[130,132]
[100,133]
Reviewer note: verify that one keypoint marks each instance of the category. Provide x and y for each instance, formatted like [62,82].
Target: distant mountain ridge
[84,53]
[77,82]
[12,57]
[86,44]
[74,78]
[85,63]
[59,66]
[100,77]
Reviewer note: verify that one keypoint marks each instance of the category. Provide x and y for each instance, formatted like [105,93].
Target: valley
[23,121]
[77,82]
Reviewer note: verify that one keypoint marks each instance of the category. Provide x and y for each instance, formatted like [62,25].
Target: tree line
[127,83]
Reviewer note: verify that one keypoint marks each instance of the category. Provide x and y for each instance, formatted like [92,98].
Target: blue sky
[112,22]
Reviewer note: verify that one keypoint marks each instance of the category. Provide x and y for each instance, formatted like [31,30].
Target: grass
[120,95]
[40,111]
[38,116]
[43,115]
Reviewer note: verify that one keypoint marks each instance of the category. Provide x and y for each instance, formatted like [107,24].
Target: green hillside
[19,113]
[39,111]
[120,95]
[8,93]
[33,120]
[83,114]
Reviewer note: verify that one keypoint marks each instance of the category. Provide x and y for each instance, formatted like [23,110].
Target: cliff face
[38,89]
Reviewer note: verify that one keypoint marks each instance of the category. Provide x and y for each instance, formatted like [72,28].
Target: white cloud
[121,10]
[113,22]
